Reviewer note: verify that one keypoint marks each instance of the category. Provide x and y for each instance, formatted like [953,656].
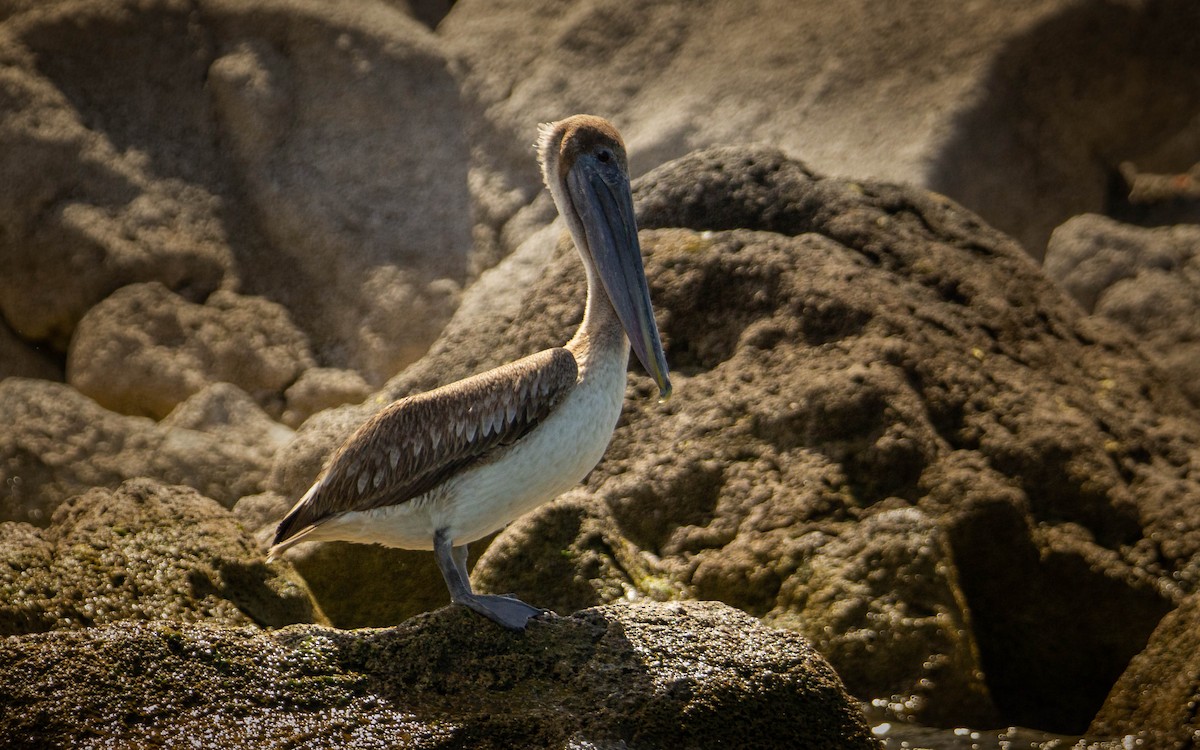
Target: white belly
[551,459]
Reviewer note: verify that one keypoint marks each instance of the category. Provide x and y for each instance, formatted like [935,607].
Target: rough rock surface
[577,545]
[1147,279]
[345,129]
[58,443]
[896,565]
[206,145]
[691,675]
[228,413]
[320,388]
[1022,111]
[1157,696]
[84,210]
[144,350]
[844,351]
[144,551]
[866,373]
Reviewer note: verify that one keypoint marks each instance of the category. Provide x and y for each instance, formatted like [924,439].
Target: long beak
[604,203]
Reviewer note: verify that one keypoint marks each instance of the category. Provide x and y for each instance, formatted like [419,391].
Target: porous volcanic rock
[311,153]
[1155,700]
[1022,112]
[578,546]
[228,413]
[345,129]
[843,350]
[882,599]
[1147,279]
[85,210]
[320,388]
[144,551]
[691,675]
[144,349]
[58,443]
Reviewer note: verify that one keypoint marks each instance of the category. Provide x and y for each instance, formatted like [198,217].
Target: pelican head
[584,165]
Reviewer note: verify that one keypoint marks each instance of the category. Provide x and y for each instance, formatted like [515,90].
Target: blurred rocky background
[928,276]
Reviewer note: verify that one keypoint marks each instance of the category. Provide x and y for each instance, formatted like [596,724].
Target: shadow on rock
[1065,104]
[144,551]
[692,675]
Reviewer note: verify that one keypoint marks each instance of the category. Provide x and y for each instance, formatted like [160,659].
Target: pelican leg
[460,561]
[508,611]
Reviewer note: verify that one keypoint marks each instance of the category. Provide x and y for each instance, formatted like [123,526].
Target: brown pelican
[442,469]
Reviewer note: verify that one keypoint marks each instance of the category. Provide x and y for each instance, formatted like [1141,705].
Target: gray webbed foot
[508,611]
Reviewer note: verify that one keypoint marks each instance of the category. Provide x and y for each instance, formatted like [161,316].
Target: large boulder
[308,152]
[144,551]
[144,350]
[1020,111]
[866,375]
[1155,700]
[93,116]
[694,676]
[58,443]
[1146,279]
[344,126]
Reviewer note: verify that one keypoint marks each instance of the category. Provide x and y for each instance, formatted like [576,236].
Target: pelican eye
[604,155]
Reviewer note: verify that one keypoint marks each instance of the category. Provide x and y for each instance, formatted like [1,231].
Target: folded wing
[418,442]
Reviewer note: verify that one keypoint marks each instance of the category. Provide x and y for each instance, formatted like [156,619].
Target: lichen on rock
[651,675]
[142,552]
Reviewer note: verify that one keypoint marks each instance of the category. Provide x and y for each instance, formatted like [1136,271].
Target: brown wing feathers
[415,443]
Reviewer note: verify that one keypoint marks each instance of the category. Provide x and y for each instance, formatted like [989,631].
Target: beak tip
[665,389]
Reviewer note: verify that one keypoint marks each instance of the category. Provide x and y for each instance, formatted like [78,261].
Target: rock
[258,512]
[345,125]
[144,350]
[93,118]
[1063,103]
[308,153]
[843,351]
[227,412]
[1155,699]
[143,552]
[1146,279]
[298,463]
[320,388]
[520,73]
[363,585]
[577,544]
[967,101]
[59,443]
[1090,254]
[687,675]
[890,576]
[222,407]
